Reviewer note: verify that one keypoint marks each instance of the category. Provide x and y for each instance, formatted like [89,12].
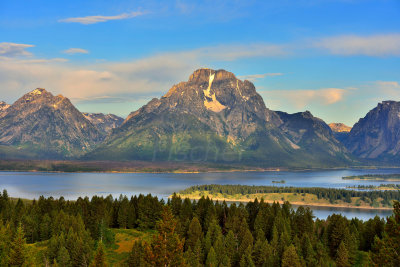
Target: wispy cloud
[14,50]
[373,45]
[253,77]
[42,60]
[73,51]
[99,18]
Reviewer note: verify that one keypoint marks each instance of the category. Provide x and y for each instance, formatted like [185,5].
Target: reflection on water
[74,185]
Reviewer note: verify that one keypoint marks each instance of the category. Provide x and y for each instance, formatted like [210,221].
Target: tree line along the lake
[372,197]
[190,233]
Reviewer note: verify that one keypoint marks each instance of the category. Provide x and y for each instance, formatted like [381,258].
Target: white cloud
[110,81]
[73,51]
[96,19]
[302,98]
[14,50]
[253,77]
[373,45]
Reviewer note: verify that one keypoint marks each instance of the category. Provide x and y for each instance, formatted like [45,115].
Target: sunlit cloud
[302,98]
[373,45]
[99,18]
[14,50]
[73,51]
[118,82]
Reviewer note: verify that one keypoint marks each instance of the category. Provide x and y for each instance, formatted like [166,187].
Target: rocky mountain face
[47,126]
[3,108]
[340,131]
[339,127]
[213,117]
[104,122]
[314,136]
[377,135]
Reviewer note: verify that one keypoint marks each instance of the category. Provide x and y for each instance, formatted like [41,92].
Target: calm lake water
[73,185]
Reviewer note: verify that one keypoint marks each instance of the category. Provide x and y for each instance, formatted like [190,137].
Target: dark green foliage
[211,258]
[386,250]
[192,233]
[137,255]
[342,257]
[99,257]
[18,253]
[290,257]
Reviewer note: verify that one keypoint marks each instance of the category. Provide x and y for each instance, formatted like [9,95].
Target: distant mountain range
[340,131]
[212,117]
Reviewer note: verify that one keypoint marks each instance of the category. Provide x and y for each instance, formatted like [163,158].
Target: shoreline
[296,203]
[152,167]
[377,180]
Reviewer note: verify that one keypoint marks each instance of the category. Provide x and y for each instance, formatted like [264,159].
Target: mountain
[212,117]
[313,136]
[47,126]
[3,108]
[377,135]
[340,131]
[104,122]
[339,127]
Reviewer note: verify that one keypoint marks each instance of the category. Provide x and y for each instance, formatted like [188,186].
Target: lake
[73,185]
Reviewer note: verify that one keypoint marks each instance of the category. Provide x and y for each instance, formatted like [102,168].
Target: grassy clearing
[118,253]
[293,198]
[374,177]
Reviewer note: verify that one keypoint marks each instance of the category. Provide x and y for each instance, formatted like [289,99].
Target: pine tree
[247,242]
[63,257]
[231,246]
[137,255]
[166,248]
[246,260]
[123,212]
[225,262]
[219,247]
[386,250]
[191,258]
[261,252]
[5,243]
[308,251]
[194,233]
[290,257]
[100,257]
[18,252]
[211,258]
[342,256]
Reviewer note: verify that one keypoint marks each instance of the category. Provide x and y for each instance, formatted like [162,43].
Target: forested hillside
[56,232]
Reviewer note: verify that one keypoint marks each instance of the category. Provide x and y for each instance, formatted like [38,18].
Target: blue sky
[336,58]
